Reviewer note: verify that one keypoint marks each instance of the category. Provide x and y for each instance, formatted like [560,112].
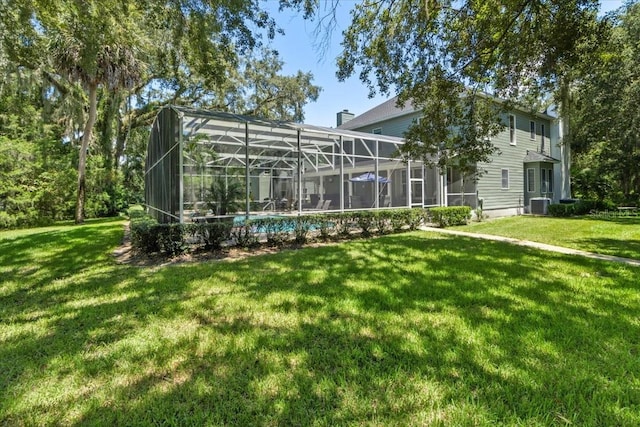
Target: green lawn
[411,329]
[615,236]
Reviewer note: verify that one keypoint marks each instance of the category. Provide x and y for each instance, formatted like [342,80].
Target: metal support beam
[376,185]
[299,202]
[340,183]
[247,190]
[181,171]
[408,183]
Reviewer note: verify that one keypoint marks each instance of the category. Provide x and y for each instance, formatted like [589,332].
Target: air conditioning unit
[539,205]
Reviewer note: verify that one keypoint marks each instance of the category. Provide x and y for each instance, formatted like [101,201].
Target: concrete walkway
[542,246]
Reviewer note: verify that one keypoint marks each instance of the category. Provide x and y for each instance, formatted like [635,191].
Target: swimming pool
[285,226]
[240,220]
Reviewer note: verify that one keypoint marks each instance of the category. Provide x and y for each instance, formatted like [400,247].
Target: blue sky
[299,50]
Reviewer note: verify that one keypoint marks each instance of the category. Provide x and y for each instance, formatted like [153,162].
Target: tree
[225,195]
[35,163]
[606,118]
[92,43]
[106,47]
[442,55]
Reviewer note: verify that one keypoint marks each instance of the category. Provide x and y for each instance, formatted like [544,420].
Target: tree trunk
[82,160]
[121,134]
[106,124]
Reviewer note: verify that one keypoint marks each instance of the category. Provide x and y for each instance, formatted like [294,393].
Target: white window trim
[542,136]
[531,180]
[502,187]
[377,131]
[548,188]
[532,130]
[512,136]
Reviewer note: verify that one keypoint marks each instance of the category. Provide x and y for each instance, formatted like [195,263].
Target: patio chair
[325,205]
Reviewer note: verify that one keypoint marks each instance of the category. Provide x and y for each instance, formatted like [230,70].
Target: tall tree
[109,44]
[440,54]
[606,117]
[91,43]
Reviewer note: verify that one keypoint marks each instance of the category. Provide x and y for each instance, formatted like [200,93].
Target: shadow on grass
[408,329]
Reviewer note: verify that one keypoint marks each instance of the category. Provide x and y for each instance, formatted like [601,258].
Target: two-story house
[530,170]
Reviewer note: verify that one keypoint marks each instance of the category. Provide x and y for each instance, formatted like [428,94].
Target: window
[532,129]
[531,183]
[512,129]
[542,137]
[546,180]
[377,131]
[505,179]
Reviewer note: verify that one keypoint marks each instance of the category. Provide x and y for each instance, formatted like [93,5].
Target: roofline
[412,110]
[195,112]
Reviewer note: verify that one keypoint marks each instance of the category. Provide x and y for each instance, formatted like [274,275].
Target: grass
[411,329]
[614,236]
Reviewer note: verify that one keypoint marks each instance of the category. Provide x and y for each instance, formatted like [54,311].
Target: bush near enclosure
[149,237]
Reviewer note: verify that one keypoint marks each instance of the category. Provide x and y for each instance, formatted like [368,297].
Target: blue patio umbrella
[369,177]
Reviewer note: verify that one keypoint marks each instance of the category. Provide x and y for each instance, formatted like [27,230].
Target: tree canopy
[99,70]
[606,118]
[440,54]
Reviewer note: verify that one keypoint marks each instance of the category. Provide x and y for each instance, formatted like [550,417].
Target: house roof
[385,111]
[389,110]
[532,157]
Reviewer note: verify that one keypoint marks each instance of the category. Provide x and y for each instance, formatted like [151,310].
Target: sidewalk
[542,246]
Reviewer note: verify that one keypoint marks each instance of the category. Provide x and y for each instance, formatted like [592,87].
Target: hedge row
[581,207]
[148,236]
[447,216]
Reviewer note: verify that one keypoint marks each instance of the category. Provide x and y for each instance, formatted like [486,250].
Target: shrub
[171,238]
[212,234]
[7,221]
[415,217]
[584,207]
[143,234]
[276,229]
[366,220]
[398,219]
[245,236]
[561,210]
[446,216]
[382,221]
[324,225]
[135,212]
[302,226]
[344,222]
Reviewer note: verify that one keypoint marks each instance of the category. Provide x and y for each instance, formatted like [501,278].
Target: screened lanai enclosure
[203,164]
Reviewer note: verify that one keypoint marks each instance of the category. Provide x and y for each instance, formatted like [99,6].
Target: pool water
[240,220]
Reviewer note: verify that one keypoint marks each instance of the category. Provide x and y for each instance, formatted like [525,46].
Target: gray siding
[511,157]
[392,127]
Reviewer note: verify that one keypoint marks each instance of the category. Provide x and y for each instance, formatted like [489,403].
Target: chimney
[343,117]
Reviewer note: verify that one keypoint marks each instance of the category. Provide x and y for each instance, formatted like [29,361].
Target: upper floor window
[377,131]
[542,141]
[512,129]
[532,129]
